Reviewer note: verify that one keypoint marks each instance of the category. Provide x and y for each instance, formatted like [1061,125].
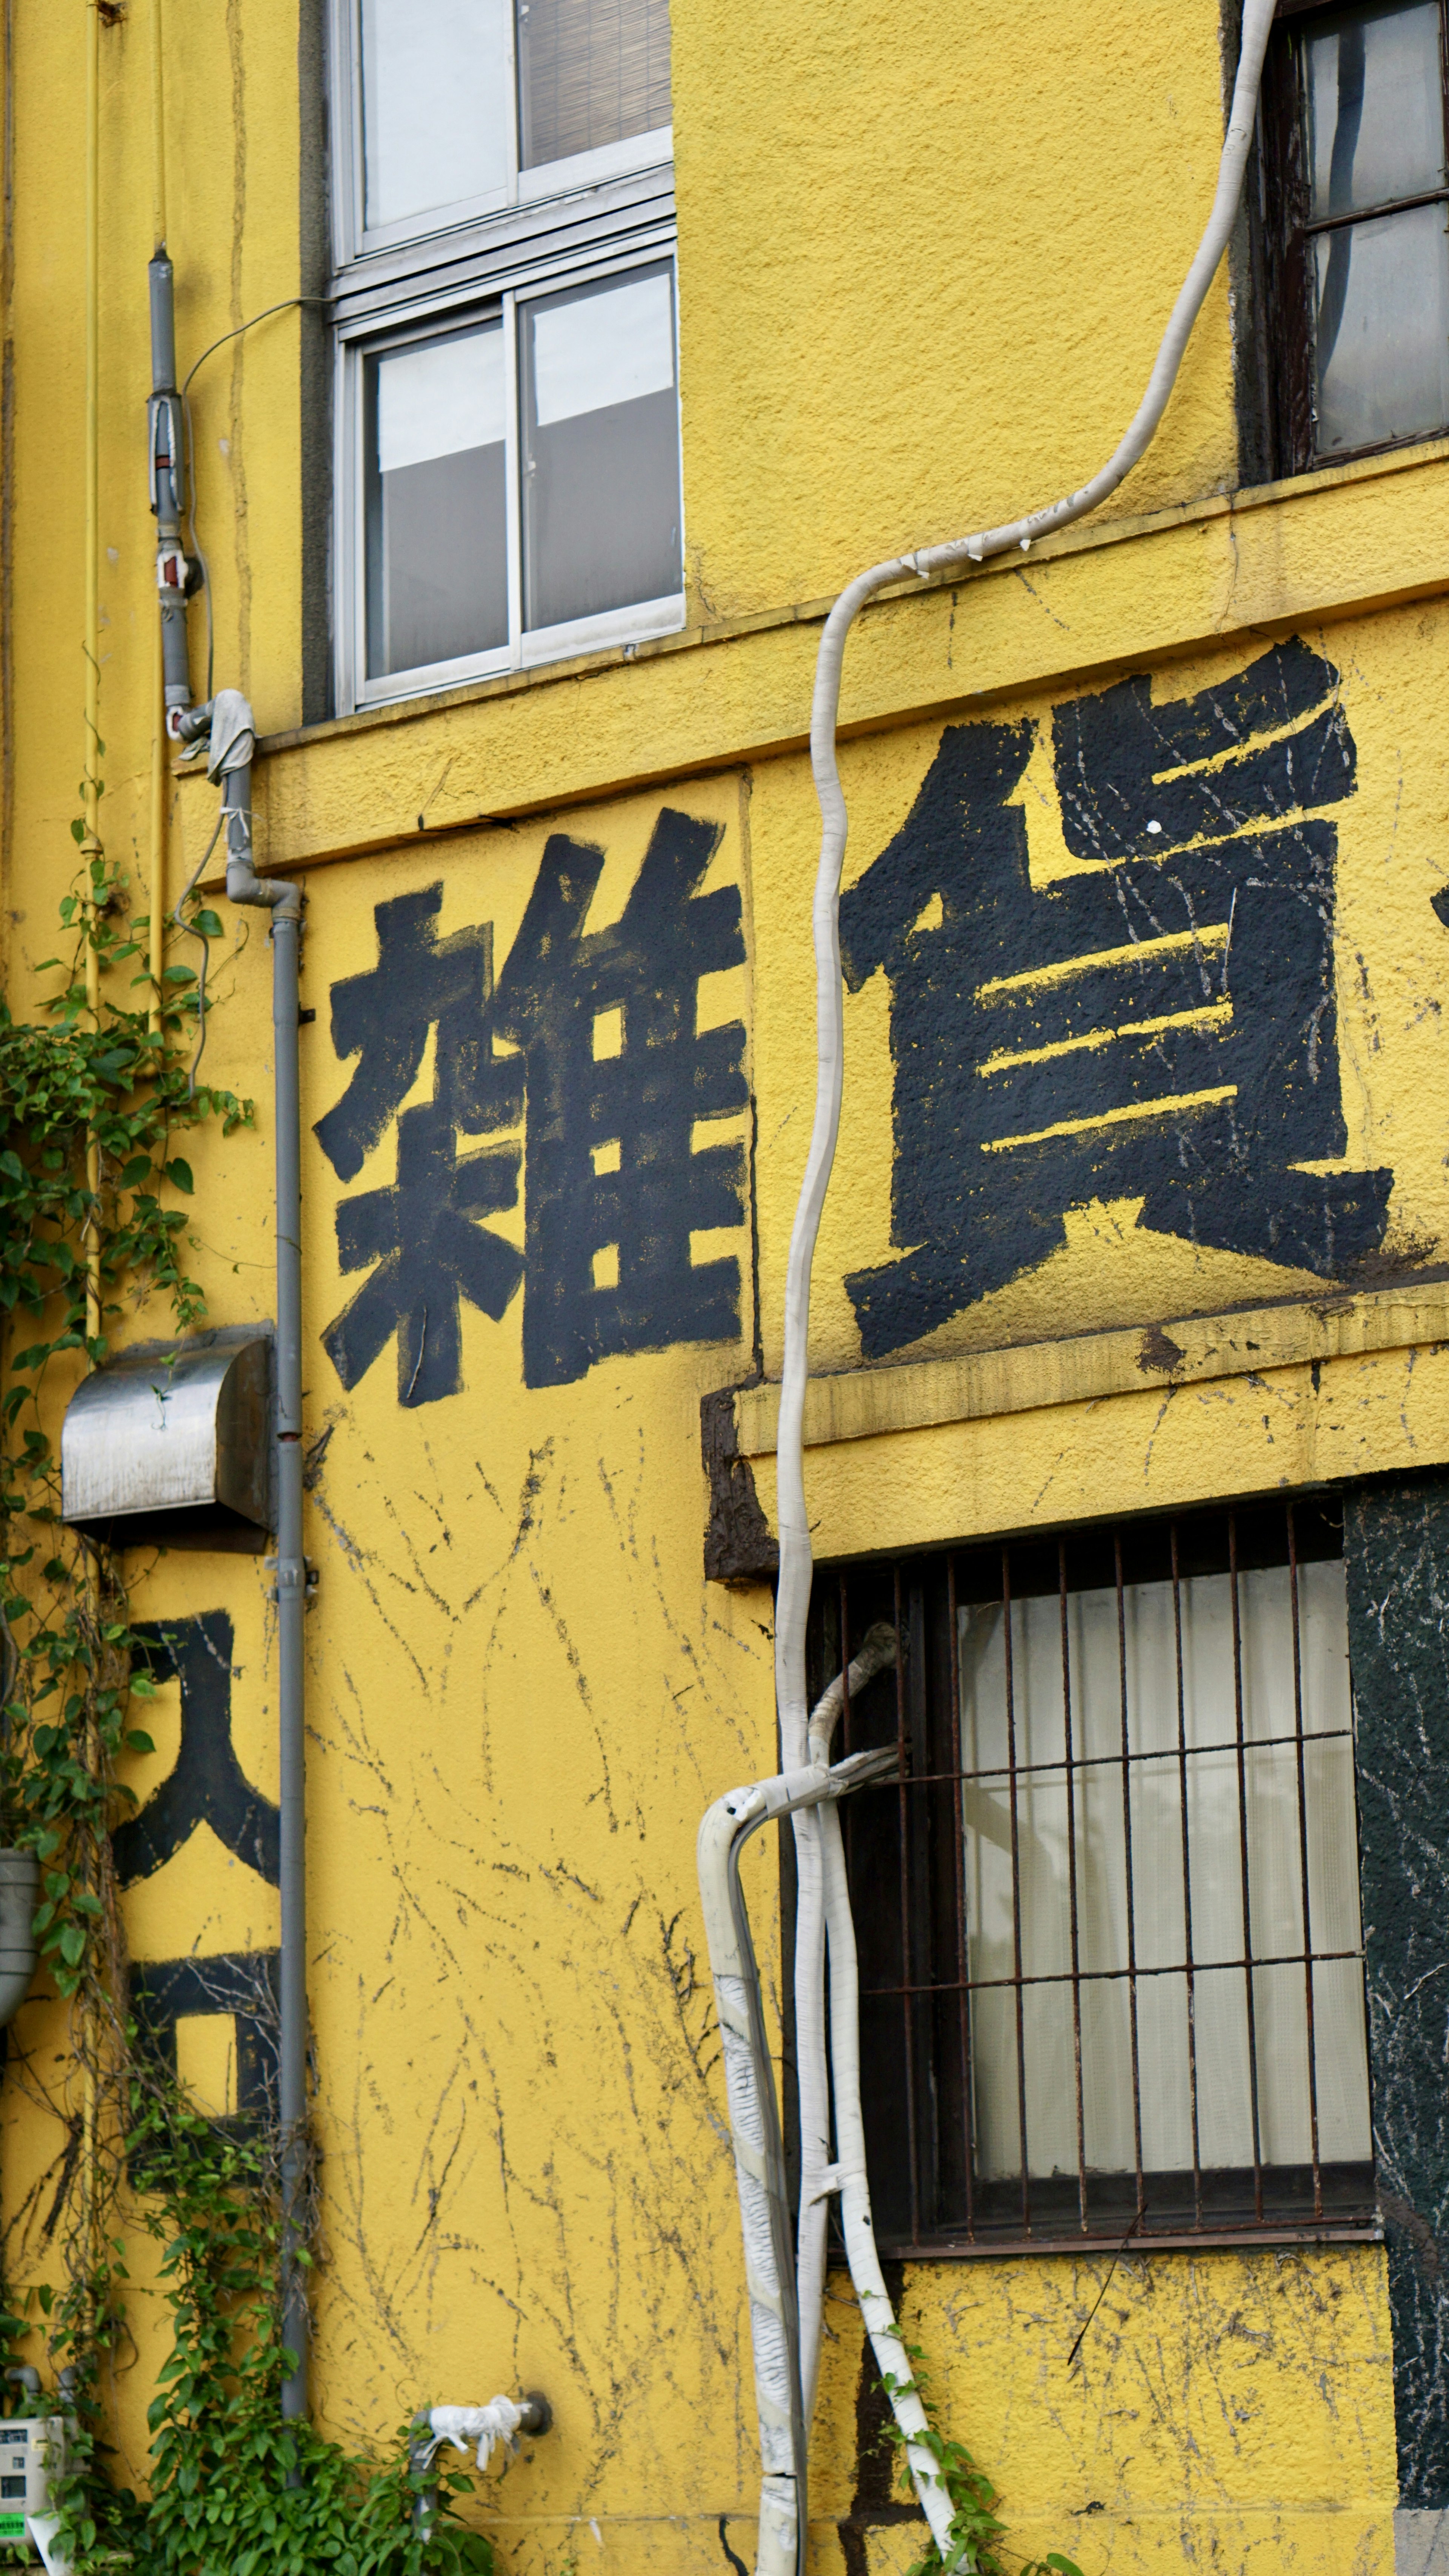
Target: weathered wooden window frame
[1288,240]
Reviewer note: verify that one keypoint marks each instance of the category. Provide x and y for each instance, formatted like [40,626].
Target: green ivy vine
[977,2533]
[93,1108]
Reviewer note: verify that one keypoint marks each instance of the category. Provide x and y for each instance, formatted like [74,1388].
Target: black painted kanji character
[429,1256]
[384,1016]
[1158,1025]
[208,1785]
[611,1168]
[239,1986]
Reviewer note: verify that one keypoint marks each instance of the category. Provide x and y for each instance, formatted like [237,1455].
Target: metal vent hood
[171,1445]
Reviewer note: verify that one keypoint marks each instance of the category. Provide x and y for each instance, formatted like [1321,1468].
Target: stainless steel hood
[171,1445]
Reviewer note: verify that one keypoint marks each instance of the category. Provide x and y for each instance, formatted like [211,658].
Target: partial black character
[384,1015]
[240,1986]
[429,1255]
[610,1159]
[207,1785]
[1134,778]
[1159,1025]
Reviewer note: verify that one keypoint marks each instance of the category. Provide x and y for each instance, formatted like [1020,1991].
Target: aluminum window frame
[567,223]
[1289,236]
[355,240]
[914,1871]
[424,317]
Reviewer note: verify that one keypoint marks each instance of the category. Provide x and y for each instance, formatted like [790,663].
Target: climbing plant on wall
[94,1106]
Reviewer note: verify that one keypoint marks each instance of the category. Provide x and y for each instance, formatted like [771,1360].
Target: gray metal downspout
[175,577]
[228,720]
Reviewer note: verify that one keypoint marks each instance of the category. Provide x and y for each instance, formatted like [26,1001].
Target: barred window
[1110,1950]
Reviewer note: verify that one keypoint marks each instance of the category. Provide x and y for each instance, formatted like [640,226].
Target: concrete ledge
[979,1385]
[1421,2543]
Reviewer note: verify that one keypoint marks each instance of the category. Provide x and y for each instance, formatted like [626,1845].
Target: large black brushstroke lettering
[384,1017]
[639,1104]
[237,1985]
[429,1256]
[1160,1026]
[208,1785]
[608,1148]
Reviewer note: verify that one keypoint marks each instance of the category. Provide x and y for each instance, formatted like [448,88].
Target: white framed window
[508,480]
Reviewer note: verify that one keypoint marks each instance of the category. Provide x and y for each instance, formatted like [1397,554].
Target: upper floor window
[1357,153]
[508,486]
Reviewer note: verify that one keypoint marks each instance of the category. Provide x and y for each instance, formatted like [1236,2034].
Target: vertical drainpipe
[228,720]
[174,576]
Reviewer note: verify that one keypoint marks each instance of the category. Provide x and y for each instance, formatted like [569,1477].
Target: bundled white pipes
[823,1907]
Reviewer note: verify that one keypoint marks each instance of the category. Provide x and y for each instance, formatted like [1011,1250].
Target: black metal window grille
[1110,1950]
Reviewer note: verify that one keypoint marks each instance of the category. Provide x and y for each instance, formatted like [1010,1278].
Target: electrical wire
[192,932]
[289,304]
[823,1902]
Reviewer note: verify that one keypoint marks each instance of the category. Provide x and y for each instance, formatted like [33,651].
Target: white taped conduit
[786,2283]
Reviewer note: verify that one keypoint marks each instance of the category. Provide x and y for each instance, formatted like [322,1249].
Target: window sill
[1094,536]
[1211,2240]
[862,1404]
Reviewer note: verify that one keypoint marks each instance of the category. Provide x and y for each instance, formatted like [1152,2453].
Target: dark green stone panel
[1396,1540]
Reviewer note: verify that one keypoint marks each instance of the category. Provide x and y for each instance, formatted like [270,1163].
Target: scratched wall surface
[1144,931]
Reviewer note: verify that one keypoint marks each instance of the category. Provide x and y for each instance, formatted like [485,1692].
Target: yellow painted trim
[1213,1015]
[862,1404]
[1212,934]
[1219,570]
[1179,1104]
[1089,537]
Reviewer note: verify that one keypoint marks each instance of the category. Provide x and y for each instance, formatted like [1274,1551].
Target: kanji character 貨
[1158,1025]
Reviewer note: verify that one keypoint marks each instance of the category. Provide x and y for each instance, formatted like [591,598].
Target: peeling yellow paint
[925,255]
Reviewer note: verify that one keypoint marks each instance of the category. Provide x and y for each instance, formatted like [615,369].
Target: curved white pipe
[793,1601]
[755,2135]
[822,1893]
[878,1648]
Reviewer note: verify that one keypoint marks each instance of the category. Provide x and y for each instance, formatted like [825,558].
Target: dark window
[1110,1951]
[1356,192]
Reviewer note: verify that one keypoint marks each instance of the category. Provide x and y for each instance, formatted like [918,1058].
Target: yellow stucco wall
[924,259]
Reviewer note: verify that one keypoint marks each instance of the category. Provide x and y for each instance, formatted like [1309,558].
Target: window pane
[1382,294]
[1094,1836]
[436,104]
[437,557]
[601,472]
[1375,107]
[590,72]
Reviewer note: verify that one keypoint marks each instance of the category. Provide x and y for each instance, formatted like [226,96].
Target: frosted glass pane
[435,399]
[1375,108]
[602,348]
[437,545]
[1171,1873]
[590,72]
[1382,335]
[436,104]
[601,521]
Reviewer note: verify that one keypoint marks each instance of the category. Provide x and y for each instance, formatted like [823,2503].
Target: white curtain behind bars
[1214,1873]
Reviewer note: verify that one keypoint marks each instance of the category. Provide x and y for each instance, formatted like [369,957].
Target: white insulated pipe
[793,1599]
[822,1898]
[813,1909]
